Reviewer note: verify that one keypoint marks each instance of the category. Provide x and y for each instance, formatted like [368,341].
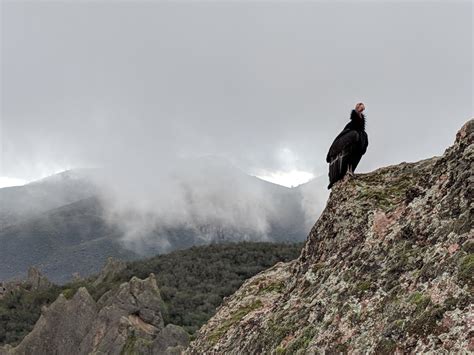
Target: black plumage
[348,148]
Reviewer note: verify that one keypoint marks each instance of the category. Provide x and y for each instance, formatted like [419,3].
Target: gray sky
[267,85]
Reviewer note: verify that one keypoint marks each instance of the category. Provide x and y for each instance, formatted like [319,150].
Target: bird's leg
[350,172]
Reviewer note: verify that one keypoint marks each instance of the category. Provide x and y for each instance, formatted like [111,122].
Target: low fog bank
[207,197]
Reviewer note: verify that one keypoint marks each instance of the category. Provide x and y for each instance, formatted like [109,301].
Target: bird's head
[360,107]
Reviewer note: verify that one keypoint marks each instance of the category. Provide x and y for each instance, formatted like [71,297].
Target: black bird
[348,147]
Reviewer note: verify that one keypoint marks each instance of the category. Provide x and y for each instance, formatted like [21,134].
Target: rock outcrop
[112,268]
[124,320]
[36,280]
[387,268]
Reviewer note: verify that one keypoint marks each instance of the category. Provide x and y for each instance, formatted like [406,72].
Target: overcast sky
[267,85]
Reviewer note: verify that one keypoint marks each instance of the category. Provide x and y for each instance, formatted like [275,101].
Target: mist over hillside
[71,222]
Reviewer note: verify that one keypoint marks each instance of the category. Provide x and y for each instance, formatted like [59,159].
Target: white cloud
[288,178]
[6,181]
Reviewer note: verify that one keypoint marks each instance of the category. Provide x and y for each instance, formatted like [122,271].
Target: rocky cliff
[387,268]
[125,320]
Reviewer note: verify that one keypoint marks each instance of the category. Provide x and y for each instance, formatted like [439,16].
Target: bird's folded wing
[342,144]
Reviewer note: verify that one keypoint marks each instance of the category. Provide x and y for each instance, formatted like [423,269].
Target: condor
[348,147]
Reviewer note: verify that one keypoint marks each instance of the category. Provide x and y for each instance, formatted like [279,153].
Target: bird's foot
[346,178]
